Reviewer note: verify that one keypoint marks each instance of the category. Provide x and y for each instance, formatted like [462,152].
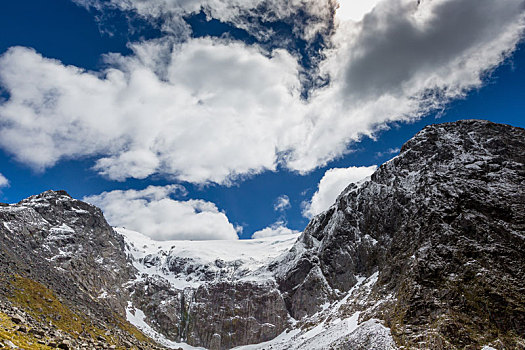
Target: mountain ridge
[451,185]
[429,252]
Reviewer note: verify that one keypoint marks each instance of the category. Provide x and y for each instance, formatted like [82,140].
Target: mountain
[427,253]
[58,256]
[443,226]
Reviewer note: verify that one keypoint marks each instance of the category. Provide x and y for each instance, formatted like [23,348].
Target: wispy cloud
[282,203]
[307,17]
[388,152]
[3,181]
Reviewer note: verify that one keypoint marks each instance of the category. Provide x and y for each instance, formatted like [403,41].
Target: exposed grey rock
[64,344]
[18,319]
[444,225]
[53,231]
[236,313]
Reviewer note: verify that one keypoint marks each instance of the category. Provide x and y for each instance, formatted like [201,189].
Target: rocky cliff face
[443,225]
[216,295]
[429,253]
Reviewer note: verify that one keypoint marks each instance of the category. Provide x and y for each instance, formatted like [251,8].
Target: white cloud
[333,182]
[354,9]
[3,181]
[277,229]
[388,152]
[404,48]
[282,203]
[152,212]
[218,113]
[246,14]
[211,110]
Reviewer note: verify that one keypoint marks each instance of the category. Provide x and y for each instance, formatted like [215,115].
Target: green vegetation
[42,303]
[477,315]
[44,306]
[8,332]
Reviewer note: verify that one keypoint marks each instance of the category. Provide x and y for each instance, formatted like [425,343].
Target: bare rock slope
[443,225]
[59,259]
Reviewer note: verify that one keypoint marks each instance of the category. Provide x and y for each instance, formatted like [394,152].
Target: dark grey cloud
[400,42]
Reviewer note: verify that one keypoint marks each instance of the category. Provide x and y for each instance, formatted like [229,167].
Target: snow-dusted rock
[443,225]
[428,253]
[54,231]
[226,283]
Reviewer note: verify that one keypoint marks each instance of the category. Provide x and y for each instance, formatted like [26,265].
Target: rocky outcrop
[53,231]
[236,313]
[443,224]
[218,315]
[63,267]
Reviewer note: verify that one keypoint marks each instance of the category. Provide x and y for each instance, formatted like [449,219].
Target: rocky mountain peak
[51,194]
[465,138]
[443,226]
[57,201]
[53,231]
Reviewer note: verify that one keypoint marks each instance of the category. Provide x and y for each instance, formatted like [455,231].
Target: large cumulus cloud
[153,212]
[211,110]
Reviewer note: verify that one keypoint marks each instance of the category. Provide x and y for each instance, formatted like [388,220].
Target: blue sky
[324,82]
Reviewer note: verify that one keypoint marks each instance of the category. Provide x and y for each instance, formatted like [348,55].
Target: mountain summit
[428,253]
[443,227]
